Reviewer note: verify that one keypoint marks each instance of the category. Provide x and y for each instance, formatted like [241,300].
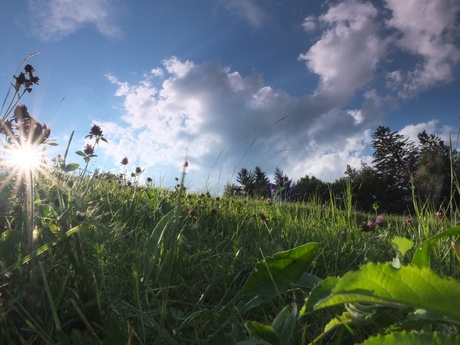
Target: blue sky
[236,83]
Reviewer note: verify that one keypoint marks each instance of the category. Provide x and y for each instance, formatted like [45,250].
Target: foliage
[130,263]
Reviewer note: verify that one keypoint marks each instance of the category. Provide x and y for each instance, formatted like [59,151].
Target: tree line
[401,169]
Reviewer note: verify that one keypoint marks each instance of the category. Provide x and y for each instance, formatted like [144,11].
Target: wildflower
[213,211]
[149,180]
[6,128]
[139,170]
[88,150]
[129,183]
[33,80]
[367,226]
[21,113]
[34,132]
[20,80]
[380,221]
[96,131]
[439,215]
[124,161]
[28,68]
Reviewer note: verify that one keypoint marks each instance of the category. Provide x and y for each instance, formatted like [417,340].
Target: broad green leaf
[51,143]
[70,167]
[321,292]
[308,281]
[407,287]
[422,255]
[264,332]
[282,269]
[284,323]
[412,338]
[402,244]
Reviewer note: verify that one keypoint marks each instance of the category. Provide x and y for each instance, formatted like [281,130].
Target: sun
[24,157]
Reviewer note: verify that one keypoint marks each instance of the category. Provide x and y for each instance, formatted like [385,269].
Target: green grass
[156,266]
[90,260]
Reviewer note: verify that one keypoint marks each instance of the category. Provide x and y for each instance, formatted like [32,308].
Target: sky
[298,84]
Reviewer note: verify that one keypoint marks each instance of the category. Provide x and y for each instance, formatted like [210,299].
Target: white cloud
[207,109]
[411,131]
[447,133]
[248,10]
[428,29]
[55,19]
[157,72]
[348,52]
[309,23]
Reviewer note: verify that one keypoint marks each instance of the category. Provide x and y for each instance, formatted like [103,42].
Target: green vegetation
[97,259]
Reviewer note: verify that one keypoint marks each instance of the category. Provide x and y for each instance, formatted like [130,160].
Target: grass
[155,266]
[94,260]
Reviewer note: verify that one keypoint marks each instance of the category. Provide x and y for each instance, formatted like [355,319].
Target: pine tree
[395,160]
[283,185]
[433,175]
[261,183]
[247,181]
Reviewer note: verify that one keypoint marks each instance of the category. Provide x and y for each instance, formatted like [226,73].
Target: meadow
[88,258]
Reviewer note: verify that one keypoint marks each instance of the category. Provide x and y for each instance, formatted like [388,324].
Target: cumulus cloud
[447,133]
[348,52]
[226,119]
[207,109]
[55,19]
[428,29]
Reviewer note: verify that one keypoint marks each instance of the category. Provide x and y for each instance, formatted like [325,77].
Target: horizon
[236,84]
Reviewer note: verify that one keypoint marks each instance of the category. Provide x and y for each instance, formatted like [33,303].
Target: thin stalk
[30,226]
[31,210]
[170,258]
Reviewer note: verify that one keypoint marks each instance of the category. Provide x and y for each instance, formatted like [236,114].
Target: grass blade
[422,255]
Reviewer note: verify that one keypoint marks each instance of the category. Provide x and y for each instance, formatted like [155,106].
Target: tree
[261,183]
[433,175]
[366,186]
[247,181]
[283,185]
[310,189]
[395,160]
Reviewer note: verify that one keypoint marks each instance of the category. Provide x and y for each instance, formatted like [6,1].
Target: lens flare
[24,157]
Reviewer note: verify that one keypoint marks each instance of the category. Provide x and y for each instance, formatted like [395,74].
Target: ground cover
[95,258]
